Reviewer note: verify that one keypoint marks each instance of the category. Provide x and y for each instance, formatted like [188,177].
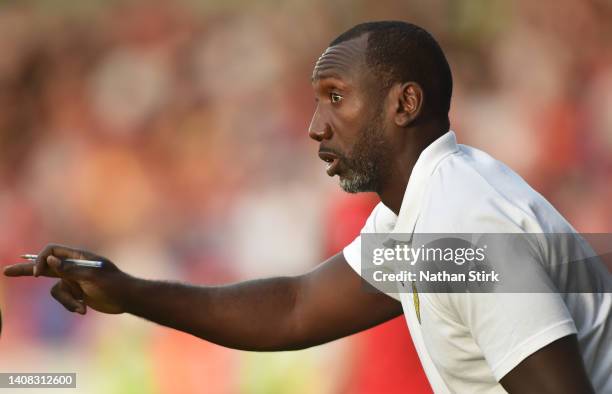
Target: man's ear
[408,97]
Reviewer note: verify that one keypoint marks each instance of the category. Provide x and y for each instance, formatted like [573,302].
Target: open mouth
[332,162]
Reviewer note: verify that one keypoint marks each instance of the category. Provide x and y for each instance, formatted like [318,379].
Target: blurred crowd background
[171,137]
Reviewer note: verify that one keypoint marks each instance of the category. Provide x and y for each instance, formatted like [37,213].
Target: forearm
[255,315]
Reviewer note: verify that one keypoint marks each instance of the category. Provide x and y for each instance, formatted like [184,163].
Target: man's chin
[355,184]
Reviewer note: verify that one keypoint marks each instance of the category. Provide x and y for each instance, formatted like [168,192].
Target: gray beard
[368,163]
[356,182]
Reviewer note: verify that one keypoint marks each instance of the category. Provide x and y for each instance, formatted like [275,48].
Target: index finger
[24,269]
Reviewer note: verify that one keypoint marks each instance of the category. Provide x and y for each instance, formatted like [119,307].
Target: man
[383,93]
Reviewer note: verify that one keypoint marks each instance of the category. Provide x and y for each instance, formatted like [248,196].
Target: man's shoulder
[472,191]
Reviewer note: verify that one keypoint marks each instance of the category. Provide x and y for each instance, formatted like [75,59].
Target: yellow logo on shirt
[415,300]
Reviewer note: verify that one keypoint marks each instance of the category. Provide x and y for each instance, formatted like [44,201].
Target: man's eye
[335,98]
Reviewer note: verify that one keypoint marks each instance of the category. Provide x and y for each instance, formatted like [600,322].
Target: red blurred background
[171,138]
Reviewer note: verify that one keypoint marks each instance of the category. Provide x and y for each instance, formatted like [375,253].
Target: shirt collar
[426,164]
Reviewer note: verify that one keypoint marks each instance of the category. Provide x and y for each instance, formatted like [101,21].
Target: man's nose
[319,129]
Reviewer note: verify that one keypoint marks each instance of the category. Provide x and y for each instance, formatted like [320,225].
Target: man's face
[348,120]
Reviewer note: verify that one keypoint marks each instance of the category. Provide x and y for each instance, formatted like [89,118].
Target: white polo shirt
[468,341]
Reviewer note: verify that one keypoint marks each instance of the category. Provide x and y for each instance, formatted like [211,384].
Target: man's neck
[392,193]
[394,186]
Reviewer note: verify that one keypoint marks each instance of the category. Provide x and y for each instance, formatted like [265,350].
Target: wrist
[124,286]
[129,291]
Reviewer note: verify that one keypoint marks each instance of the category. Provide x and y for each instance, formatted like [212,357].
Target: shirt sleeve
[512,324]
[381,220]
[509,327]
